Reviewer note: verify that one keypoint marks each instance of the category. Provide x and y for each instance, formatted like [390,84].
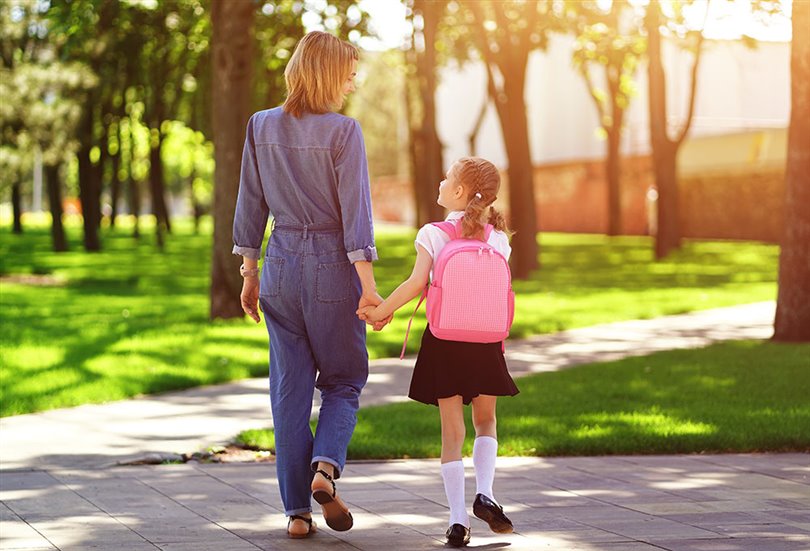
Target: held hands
[369,314]
[367,305]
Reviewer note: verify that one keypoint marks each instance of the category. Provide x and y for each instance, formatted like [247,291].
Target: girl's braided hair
[481,181]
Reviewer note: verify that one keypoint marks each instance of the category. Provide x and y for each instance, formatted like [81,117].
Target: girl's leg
[485,453]
[485,448]
[452,416]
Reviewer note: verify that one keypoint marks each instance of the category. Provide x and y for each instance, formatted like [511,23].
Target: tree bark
[664,154]
[196,207]
[156,188]
[792,321]
[613,173]
[511,61]
[665,149]
[88,191]
[614,141]
[16,208]
[134,189]
[99,167]
[521,178]
[55,201]
[427,158]
[232,61]
[115,183]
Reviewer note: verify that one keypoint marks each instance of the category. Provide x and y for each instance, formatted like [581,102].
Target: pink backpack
[470,298]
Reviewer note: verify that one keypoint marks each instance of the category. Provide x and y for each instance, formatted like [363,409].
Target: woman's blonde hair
[481,180]
[316,73]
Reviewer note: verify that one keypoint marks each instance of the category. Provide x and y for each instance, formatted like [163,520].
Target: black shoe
[458,535]
[492,513]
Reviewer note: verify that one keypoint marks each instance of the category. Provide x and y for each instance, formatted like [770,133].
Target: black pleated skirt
[447,368]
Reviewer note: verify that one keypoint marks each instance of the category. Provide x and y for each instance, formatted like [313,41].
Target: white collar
[455,215]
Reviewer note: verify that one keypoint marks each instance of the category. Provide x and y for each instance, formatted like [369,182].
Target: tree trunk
[432,160]
[134,190]
[55,200]
[613,173]
[668,237]
[16,207]
[511,61]
[115,183]
[663,149]
[792,321]
[88,192]
[427,160]
[511,108]
[156,188]
[135,205]
[614,139]
[99,169]
[232,60]
[196,207]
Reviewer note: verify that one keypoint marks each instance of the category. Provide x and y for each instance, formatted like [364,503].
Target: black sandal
[311,527]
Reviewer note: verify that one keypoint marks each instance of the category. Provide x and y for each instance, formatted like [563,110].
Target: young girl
[451,374]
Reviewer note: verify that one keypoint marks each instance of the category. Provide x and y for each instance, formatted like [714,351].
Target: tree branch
[592,91]
[693,85]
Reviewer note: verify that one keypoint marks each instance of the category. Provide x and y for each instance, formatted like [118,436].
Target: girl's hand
[250,297]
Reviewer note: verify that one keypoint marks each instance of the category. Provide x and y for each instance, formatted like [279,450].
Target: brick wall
[572,197]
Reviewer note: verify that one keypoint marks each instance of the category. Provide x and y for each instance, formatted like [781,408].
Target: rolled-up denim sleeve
[250,217]
[354,194]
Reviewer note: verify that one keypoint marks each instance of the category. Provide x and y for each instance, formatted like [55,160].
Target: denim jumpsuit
[311,174]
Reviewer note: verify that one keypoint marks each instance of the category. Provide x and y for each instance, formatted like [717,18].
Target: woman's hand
[250,297]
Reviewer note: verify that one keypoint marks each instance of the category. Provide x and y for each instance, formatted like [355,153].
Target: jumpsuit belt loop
[305,231]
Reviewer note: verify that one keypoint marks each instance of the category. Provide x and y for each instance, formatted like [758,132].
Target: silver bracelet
[244,272]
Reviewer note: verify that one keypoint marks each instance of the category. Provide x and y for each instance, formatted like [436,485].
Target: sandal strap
[330,479]
[299,517]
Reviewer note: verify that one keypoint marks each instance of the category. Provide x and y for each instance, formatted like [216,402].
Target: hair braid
[481,180]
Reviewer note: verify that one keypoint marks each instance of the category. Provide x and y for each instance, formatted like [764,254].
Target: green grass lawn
[739,396]
[130,320]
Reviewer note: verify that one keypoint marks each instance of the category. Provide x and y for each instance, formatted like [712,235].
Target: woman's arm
[407,290]
[250,216]
[354,196]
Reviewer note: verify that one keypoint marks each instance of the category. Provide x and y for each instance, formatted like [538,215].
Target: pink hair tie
[478,195]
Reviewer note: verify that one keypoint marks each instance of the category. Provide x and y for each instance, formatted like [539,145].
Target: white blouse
[434,239]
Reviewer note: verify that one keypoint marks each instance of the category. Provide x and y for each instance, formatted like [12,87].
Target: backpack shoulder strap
[488,231]
[410,321]
[447,227]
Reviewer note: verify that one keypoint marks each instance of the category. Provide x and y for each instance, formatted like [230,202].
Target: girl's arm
[407,290]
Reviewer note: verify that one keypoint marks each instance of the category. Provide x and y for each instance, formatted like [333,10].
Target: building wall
[572,197]
[739,89]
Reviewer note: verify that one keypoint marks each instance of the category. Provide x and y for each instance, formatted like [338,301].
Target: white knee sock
[453,476]
[485,452]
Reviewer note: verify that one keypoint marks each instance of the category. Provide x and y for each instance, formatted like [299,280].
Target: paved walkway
[60,488]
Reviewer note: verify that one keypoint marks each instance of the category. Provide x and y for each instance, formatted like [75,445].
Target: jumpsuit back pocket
[272,270]
[333,282]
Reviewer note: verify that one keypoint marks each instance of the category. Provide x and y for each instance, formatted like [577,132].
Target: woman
[306,164]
